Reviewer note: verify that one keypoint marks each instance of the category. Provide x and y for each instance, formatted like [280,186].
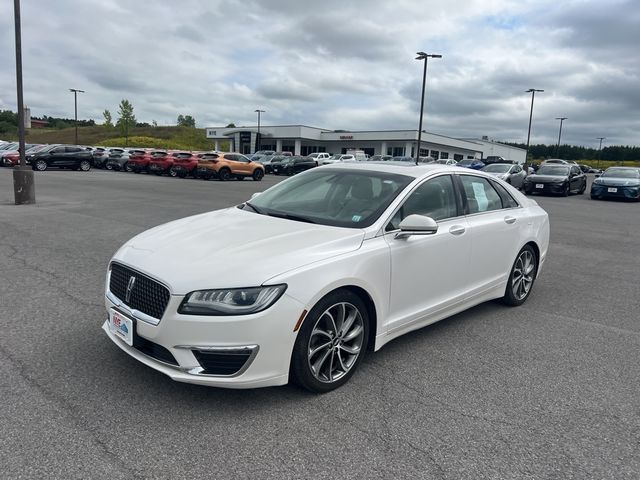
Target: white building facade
[303,140]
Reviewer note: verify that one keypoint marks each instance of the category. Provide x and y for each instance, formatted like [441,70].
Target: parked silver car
[510,173]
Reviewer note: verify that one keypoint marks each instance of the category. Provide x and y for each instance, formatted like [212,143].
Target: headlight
[231,301]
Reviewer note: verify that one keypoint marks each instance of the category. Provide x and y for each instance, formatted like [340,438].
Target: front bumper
[602,191]
[556,188]
[269,335]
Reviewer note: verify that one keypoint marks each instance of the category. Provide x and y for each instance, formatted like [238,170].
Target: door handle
[457,230]
[509,220]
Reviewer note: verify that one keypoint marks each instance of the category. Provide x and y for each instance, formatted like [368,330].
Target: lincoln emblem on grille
[132,281]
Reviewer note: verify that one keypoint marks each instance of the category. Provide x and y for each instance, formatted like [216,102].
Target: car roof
[401,168]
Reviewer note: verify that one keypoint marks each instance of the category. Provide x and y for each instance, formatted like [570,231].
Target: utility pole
[562,119]
[24,188]
[600,148]
[425,57]
[75,101]
[533,95]
[258,139]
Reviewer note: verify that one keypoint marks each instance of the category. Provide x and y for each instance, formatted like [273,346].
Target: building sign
[346,137]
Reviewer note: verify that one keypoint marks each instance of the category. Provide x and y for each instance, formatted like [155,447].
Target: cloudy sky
[338,64]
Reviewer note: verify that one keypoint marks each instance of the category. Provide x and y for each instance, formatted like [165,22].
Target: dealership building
[303,140]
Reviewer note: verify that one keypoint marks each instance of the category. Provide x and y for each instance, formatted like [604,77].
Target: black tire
[584,187]
[40,165]
[127,167]
[182,174]
[595,197]
[172,172]
[520,269]
[566,190]
[239,177]
[301,371]
[136,170]
[224,174]
[85,165]
[109,166]
[258,174]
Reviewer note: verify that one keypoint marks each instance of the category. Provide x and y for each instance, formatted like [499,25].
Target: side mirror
[417,225]
[598,174]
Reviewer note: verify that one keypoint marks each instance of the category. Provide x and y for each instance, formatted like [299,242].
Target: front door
[428,272]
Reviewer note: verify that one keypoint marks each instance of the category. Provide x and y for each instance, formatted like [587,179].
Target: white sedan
[300,281]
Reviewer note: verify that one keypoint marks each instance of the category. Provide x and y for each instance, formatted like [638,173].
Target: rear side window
[507,200]
[481,196]
[209,156]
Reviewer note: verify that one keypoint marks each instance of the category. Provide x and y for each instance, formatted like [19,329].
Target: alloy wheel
[336,342]
[522,276]
[41,165]
[85,166]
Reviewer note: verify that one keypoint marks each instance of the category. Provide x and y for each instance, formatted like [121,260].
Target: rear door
[495,220]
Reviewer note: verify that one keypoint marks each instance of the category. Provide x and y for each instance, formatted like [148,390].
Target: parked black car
[556,178]
[617,182]
[291,165]
[61,156]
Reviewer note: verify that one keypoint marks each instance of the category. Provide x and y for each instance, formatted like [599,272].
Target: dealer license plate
[539,185]
[121,326]
[612,190]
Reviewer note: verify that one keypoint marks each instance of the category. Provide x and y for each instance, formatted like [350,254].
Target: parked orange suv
[225,166]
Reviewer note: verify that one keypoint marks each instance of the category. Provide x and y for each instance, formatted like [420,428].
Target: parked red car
[140,162]
[186,163]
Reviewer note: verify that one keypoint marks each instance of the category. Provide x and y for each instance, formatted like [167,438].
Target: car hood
[232,248]
[617,182]
[498,174]
[546,178]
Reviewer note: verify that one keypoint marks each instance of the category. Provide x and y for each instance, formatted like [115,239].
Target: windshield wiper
[288,216]
[254,208]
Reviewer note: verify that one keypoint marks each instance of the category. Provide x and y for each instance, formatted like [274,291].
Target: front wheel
[523,274]
[258,174]
[224,174]
[566,190]
[172,172]
[331,343]
[584,187]
[127,167]
[41,165]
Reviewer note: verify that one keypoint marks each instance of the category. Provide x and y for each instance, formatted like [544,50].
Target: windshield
[496,168]
[465,162]
[353,199]
[556,170]
[621,173]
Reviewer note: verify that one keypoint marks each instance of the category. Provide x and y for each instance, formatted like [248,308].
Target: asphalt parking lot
[549,390]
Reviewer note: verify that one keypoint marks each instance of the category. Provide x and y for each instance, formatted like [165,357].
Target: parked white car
[513,174]
[300,281]
[339,158]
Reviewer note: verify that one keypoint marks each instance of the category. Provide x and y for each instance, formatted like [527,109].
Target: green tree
[154,123]
[186,121]
[231,125]
[108,121]
[126,118]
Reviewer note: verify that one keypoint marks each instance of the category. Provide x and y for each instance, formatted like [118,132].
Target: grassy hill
[153,137]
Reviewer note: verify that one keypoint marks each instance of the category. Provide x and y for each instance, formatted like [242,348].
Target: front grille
[222,362]
[147,295]
[153,350]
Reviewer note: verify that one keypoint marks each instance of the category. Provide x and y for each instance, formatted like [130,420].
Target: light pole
[562,119]
[533,95]
[24,189]
[600,148]
[425,57]
[258,111]
[75,102]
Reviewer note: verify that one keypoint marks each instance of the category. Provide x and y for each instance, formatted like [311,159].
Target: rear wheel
[41,165]
[224,174]
[109,166]
[523,274]
[258,174]
[172,172]
[584,187]
[128,167]
[331,342]
[85,165]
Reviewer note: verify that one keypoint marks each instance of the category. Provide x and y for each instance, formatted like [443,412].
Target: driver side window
[435,198]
